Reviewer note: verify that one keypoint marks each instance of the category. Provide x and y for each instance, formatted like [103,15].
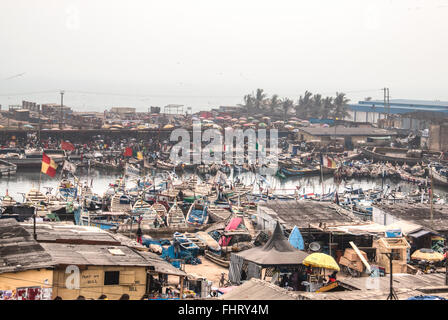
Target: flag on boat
[65,145]
[48,166]
[128,152]
[68,166]
[331,163]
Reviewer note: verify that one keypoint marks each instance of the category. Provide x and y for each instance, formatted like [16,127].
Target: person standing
[139,234]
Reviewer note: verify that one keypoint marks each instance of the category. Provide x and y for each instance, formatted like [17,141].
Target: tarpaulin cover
[277,251]
[296,239]
[233,225]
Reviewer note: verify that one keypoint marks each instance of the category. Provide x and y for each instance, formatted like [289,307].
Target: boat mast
[431,195]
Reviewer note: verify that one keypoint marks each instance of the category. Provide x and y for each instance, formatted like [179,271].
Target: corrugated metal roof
[18,250]
[302,213]
[256,289]
[409,102]
[344,131]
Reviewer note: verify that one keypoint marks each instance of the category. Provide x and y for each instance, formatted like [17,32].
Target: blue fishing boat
[67,189]
[103,220]
[185,243]
[300,172]
[197,215]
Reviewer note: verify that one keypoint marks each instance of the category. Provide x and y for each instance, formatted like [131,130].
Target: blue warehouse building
[407,110]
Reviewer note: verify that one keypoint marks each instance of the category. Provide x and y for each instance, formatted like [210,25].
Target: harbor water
[22,182]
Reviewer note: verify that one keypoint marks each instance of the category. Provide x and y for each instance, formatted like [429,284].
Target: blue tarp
[426,298]
[296,239]
[171,254]
[327,121]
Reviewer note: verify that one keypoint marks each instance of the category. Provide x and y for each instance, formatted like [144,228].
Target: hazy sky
[205,52]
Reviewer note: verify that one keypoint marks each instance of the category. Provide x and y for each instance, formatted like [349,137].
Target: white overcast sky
[175,49]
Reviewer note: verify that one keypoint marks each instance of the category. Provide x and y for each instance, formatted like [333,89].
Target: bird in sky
[15,76]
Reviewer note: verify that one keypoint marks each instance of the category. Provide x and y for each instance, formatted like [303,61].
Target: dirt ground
[207,269]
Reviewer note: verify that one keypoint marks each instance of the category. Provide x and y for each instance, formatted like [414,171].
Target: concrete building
[54,109]
[438,137]
[123,110]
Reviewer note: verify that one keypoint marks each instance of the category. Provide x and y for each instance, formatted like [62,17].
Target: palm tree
[316,102]
[341,106]
[304,105]
[274,103]
[249,103]
[327,107]
[260,99]
[287,104]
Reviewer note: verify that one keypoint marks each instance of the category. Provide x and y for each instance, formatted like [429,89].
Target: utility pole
[392,295]
[386,98]
[431,195]
[34,224]
[62,106]
[39,110]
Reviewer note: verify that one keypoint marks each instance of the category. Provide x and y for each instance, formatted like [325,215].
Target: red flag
[128,152]
[67,146]
[48,165]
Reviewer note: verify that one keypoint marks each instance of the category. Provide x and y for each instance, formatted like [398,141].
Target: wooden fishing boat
[169,195]
[35,196]
[106,165]
[160,209]
[103,220]
[175,217]
[219,260]
[164,165]
[149,218]
[439,175]
[8,201]
[211,243]
[7,168]
[120,203]
[196,240]
[140,206]
[67,189]
[185,243]
[300,172]
[197,215]
[217,213]
[30,158]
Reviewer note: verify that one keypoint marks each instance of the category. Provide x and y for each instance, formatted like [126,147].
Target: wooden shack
[71,261]
[398,247]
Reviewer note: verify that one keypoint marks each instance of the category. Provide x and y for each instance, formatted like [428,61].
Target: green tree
[274,103]
[341,106]
[287,104]
[249,103]
[316,110]
[327,107]
[260,100]
[304,105]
